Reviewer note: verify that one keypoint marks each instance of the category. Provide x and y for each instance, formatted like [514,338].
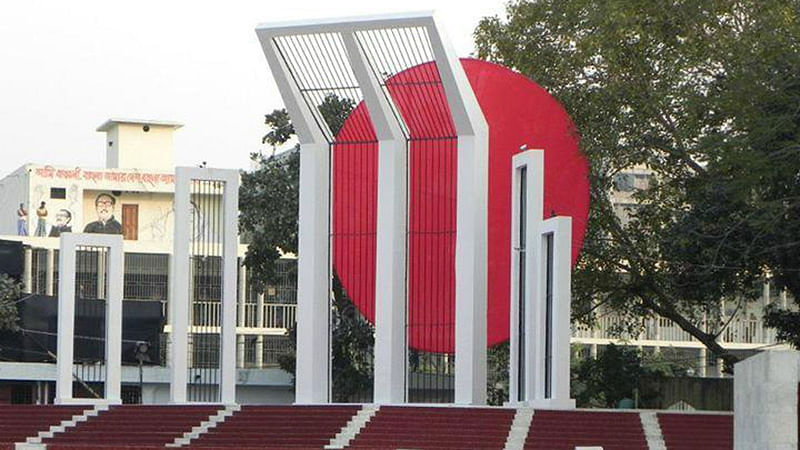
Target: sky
[66,67]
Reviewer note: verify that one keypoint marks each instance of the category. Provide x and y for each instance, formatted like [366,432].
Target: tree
[10,292]
[269,196]
[497,363]
[704,95]
[621,373]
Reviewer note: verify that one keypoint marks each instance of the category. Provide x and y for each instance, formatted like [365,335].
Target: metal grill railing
[146,276]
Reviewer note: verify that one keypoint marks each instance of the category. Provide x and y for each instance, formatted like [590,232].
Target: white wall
[765,401]
[134,148]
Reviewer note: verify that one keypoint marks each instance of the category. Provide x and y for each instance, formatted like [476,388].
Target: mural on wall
[158,226]
[104,205]
[50,215]
[137,205]
[63,223]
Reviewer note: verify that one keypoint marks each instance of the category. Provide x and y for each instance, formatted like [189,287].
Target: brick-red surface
[18,422]
[436,428]
[564,430]
[278,427]
[697,431]
[140,426]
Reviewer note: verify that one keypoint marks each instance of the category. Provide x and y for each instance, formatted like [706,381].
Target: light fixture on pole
[140,353]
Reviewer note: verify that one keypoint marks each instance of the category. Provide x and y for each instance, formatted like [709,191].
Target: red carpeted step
[18,422]
[436,428]
[684,431]
[140,426]
[278,427]
[564,430]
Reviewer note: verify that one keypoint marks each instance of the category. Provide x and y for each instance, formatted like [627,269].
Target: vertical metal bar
[548,345]
[522,331]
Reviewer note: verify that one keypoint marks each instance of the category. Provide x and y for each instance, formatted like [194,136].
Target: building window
[146,276]
[58,193]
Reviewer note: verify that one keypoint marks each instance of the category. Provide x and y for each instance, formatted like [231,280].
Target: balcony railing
[273,315]
[740,330]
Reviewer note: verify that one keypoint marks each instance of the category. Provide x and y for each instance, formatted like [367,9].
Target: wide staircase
[17,422]
[392,427]
[565,430]
[697,431]
[278,427]
[436,428]
[139,426]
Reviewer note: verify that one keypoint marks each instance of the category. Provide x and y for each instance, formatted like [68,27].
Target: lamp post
[140,353]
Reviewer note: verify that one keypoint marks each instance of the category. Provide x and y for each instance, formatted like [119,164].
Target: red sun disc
[518,112]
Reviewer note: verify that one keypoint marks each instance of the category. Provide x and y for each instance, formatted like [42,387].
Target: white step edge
[518,432]
[35,442]
[652,430]
[353,427]
[199,430]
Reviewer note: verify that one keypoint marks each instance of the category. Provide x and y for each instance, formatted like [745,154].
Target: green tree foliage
[620,373]
[497,363]
[702,93]
[10,292]
[268,200]
[353,343]
[352,349]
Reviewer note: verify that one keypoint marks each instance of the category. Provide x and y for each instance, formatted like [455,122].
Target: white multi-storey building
[132,195]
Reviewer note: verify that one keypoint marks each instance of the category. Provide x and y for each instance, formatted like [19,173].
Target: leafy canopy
[704,95]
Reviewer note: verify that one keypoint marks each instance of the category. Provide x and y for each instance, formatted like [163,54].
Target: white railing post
[50,272]
[27,270]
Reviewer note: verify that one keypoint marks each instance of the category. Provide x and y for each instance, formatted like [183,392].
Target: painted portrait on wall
[63,223]
[104,205]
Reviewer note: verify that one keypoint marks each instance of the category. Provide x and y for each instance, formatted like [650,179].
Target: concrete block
[765,401]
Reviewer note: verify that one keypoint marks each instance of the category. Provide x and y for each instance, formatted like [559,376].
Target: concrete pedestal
[765,401]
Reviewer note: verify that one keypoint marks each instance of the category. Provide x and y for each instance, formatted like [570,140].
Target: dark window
[146,276]
[58,193]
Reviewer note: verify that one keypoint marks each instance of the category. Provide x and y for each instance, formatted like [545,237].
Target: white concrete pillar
[544,356]
[471,269]
[556,371]
[50,272]
[230,243]
[765,401]
[392,218]
[66,314]
[180,298]
[472,188]
[260,324]
[527,173]
[657,326]
[241,314]
[312,383]
[101,274]
[702,362]
[27,270]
